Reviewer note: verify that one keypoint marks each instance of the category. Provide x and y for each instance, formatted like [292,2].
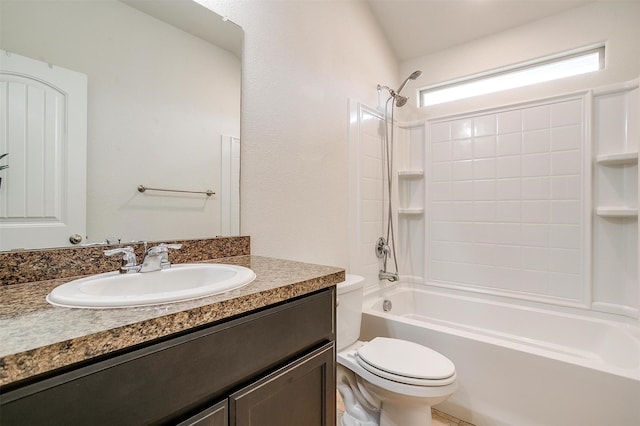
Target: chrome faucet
[391,276]
[129,261]
[155,259]
[383,251]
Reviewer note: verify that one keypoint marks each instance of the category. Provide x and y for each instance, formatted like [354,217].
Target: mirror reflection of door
[230,185]
[43,128]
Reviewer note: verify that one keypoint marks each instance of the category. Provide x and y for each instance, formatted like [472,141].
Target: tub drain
[386,305]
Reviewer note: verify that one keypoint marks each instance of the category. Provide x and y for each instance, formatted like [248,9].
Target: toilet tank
[349,310]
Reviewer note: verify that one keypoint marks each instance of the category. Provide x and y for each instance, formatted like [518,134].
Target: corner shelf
[614,229]
[410,173]
[411,211]
[617,159]
[411,185]
[616,212]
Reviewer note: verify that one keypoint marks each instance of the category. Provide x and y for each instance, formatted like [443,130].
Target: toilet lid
[406,359]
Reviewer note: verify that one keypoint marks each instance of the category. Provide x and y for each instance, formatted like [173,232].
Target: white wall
[613,22]
[302,61]
[159,101]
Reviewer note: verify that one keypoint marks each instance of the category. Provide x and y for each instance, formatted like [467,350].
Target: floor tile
[439,418]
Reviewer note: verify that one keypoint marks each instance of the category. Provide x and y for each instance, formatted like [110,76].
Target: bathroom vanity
[263,355]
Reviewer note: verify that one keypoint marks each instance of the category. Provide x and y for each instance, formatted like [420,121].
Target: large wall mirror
[161,109]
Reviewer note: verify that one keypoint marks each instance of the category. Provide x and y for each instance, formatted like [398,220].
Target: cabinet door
[214,416]
[301,393]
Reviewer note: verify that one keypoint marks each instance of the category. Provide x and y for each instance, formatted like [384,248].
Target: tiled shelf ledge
[411,211]
[410,173]
[617,159]
[616,212]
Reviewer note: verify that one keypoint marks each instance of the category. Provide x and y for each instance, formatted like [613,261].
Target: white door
[43,128]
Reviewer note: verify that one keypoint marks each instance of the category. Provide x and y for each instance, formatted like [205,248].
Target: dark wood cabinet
[218,415]
[279,358]
[302,393]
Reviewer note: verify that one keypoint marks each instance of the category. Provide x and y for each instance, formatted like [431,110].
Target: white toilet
[402,379]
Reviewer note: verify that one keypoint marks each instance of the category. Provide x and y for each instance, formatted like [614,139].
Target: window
[524,74]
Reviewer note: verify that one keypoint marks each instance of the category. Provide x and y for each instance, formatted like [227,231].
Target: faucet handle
[157,257]
[129,262]
[124,250]
[163,248]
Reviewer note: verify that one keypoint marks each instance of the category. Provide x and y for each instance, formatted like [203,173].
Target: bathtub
[518,365]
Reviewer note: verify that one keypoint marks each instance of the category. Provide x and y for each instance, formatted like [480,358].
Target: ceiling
[417,28]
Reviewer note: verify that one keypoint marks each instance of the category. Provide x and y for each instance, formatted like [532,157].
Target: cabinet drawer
[168,380]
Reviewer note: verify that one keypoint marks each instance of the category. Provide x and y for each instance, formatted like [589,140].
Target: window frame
[511,70]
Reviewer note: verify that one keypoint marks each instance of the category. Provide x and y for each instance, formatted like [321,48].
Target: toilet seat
[348,358]
[405,362]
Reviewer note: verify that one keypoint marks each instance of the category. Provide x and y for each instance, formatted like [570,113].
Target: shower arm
[389,89]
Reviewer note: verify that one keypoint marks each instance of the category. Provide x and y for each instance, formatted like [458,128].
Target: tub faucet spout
[391,276]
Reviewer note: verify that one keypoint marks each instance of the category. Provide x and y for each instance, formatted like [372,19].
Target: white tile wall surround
[509,122]
[508,189]
[462,149]
[462,170]
[461,129]
[484,125]
[440,133]
[441,151]
[366,190]
[484,168]
[537,258]
[484,189]
[508,218]
[616,111]
[535,212]
[536,141]
[565,138]
[507,202]
[462,190]
[536,117]
[536,188]
[509,167]
[484,147]
[535,164]
[509,144]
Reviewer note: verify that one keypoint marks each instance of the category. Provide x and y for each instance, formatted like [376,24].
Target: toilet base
[403,410]
[402,415]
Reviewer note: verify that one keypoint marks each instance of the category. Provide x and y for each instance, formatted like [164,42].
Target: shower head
[413,76]
[400,100]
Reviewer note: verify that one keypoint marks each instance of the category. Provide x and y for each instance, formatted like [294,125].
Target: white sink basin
[178,283]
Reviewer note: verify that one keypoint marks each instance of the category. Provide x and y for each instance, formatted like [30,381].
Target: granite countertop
[37,337]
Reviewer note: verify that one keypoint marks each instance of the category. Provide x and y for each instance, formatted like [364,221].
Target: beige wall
[302,61]
[614,22]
